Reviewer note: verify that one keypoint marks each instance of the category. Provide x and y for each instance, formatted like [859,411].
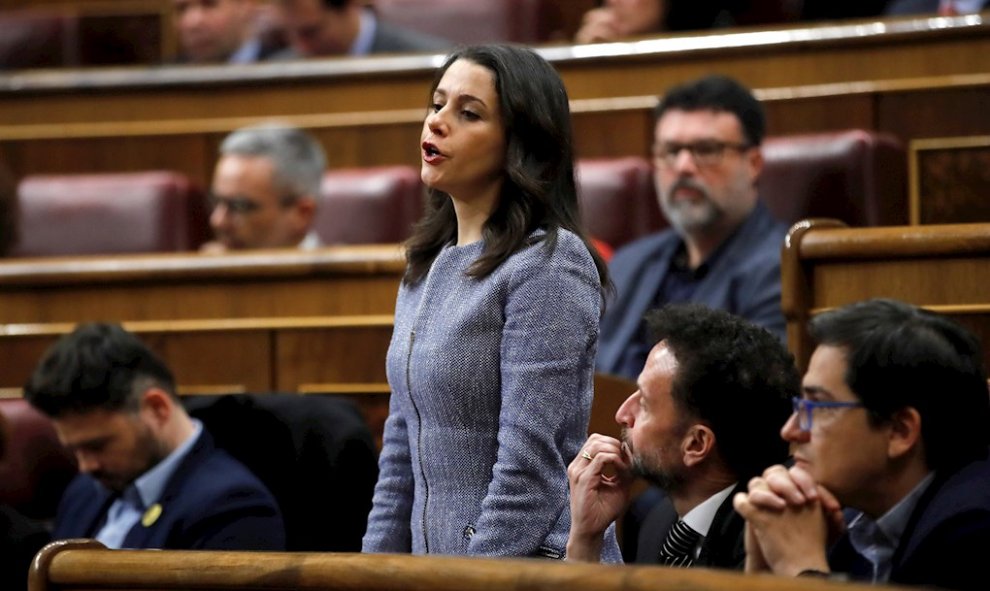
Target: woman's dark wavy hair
[539,189]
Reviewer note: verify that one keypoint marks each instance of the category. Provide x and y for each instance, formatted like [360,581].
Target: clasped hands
[790,521]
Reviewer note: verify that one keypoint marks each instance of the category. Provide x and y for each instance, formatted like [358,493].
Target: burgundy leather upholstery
[34,468]
[472,21]
[109,214]
[617,199]
[38,39]
[857,176]
[376,205]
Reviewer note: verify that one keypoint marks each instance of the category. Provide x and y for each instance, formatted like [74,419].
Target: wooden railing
[75,565]
[940,267]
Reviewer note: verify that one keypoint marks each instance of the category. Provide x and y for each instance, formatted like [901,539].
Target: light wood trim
[330,260]
[209,389]
[915,147]
[397,117]
[342,388]
[70,565]
[947,309]
[896,242]
[211,325]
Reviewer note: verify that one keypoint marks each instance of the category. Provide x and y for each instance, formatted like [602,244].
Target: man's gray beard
[687,217]
[664,479]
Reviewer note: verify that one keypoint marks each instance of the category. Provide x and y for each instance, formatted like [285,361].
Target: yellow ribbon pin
[151,515]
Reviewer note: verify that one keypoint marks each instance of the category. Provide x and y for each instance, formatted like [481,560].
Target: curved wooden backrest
[84,564]
[941,267]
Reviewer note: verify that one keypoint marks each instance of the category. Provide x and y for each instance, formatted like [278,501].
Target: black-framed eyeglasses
[804,409]
[704,154]
[242,205]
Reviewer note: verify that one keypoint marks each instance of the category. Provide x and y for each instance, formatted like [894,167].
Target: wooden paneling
[940,267]
[261,321]
[368,111]
[608,127]
[949,180]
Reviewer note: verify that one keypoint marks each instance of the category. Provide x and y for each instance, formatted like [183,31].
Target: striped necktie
[678,547]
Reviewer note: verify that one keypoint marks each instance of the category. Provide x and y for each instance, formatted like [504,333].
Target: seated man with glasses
[893,425]
[723,247]
[266,188]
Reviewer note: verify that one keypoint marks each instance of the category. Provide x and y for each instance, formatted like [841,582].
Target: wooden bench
[75,565]
[943,268]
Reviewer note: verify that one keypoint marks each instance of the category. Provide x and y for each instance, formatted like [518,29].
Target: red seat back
[109,214]
[376,205]
[618,200]
[857,176]
[473,21]
[34,467]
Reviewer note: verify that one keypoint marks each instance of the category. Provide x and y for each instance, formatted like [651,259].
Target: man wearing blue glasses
[894,424]
[723,247]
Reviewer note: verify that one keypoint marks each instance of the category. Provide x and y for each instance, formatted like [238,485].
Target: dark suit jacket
[723,547]
[211,502]
[390,38]
[314,452]
[916,6]
[947,537]
[20,540]
[745,281]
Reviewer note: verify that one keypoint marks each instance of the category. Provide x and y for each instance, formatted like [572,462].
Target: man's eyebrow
[815,390]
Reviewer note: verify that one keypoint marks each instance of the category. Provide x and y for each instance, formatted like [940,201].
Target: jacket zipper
[419,437]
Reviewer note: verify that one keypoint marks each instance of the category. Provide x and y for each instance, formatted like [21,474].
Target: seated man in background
[711,397]
[893,424]
[266,189]
[324,28]
[723,246]
[150,476]
[219,31]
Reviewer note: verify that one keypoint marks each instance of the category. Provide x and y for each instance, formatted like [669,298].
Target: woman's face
[463,141]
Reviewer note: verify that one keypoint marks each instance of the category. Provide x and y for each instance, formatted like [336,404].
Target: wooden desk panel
[370,109]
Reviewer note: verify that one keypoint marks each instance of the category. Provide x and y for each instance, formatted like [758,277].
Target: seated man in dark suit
[711,397]
[892,424]
[723,247]
[324,28]
[150,475]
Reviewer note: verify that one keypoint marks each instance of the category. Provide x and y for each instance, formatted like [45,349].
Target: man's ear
[158,404]
[305,208]
[905,432]
[698,442]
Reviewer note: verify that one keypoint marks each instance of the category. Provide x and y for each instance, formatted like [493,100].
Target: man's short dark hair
[899,356]
[733,375]
[96,366]
[720,94]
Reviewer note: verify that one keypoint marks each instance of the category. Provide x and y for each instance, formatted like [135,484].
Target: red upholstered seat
[617,198]
[473,21]
[110,213]
[857,176]
[34,468]
[376,205]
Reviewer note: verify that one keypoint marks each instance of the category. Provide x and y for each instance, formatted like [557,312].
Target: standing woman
[496,322]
